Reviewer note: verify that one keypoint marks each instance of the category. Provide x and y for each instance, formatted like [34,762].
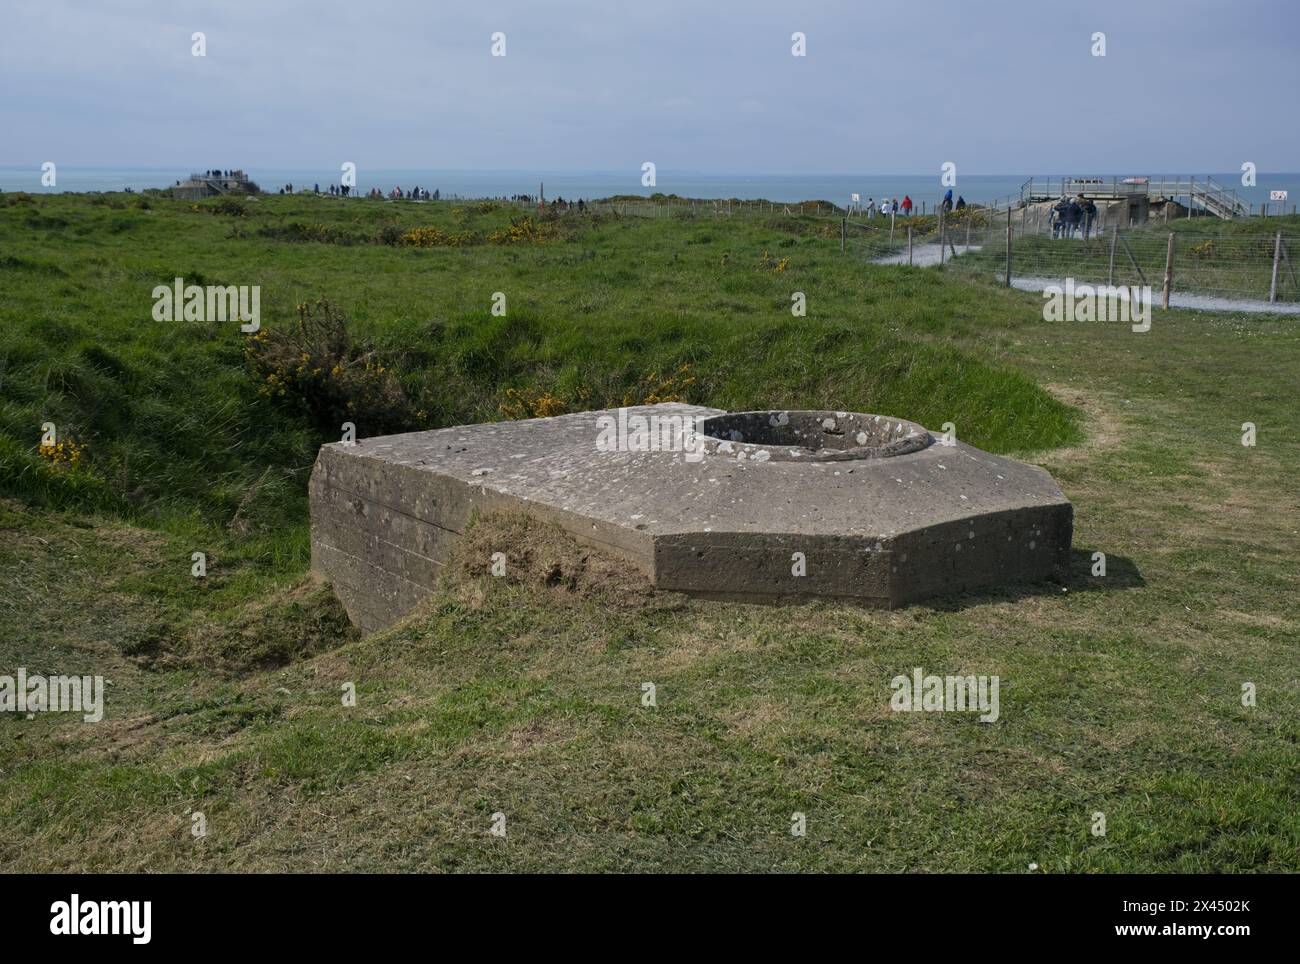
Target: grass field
[1119,695]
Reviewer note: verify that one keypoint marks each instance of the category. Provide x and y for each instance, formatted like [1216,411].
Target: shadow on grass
[1121,573]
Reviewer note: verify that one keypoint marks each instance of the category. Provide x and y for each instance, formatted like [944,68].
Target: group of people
[1070,215]
[414,194]
[420,194]
[560,204]
[890,206]
[343,190]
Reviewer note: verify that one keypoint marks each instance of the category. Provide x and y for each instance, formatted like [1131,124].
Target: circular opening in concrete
[811,436]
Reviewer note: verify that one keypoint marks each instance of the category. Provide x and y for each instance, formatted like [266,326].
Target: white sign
[1277,195]
[855,197]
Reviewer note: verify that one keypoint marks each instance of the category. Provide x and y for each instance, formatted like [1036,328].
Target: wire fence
[1233,267]
[1258,267]
[1109,248]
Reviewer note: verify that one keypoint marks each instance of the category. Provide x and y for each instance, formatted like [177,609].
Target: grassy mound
[173,427]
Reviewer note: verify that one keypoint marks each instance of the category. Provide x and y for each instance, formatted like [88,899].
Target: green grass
[175,428]
[1119,694]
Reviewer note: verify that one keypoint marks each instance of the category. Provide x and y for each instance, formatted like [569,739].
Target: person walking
[1060,211]
[907,205]
[1089,217]
[1073,213]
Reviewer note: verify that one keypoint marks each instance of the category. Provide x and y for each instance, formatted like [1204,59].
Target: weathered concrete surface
[879,529]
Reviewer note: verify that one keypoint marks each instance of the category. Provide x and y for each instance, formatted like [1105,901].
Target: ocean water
[980,188]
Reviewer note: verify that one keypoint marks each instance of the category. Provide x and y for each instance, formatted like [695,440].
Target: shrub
[319,366]
[524,230]
[649,389]
[435,237]
[223,205]
[389,234]
[320,233]
[538,403]
[65,455]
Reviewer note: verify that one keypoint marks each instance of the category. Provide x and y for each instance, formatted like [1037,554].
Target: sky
[885,87]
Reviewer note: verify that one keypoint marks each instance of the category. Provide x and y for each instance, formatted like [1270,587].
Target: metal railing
[1203,191]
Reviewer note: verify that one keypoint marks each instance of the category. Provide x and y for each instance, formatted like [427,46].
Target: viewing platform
[214,184]
[1193,192]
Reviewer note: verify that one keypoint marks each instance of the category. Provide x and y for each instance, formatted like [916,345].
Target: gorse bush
[542,403]
[318,365]
[651,388]
[459,214]
[62,455]
[526,231]
[435,237]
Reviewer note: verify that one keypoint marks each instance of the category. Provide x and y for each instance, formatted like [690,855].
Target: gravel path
[927,256]
[923,255]
[1182,299]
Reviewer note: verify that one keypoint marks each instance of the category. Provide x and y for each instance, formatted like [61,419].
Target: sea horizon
[594,184]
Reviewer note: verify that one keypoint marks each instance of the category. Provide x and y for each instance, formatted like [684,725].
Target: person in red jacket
[907,205]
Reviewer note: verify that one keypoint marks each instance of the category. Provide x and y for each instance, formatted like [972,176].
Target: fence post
[1169,269]
[1110,272]
[1277,256]
[1008,247]
[843,231]
[909,246]
[968,220]
[941,236]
